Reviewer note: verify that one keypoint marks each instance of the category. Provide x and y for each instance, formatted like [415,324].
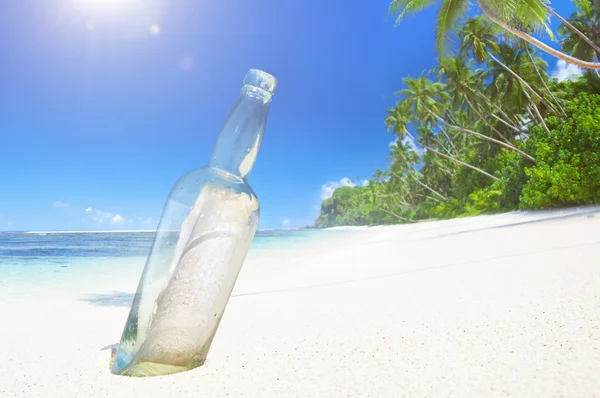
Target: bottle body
[203,237]
[205,231]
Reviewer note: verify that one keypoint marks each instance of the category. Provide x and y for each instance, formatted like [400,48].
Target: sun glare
[104,6]
[155,29]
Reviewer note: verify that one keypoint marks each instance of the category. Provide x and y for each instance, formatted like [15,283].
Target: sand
[490,306]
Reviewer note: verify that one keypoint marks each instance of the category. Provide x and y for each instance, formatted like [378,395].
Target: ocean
[31,262]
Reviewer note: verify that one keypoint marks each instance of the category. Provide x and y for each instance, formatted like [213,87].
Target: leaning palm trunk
[574,29]
[443,147]
[544,83]
[510,126]
[507,120]
[450,141]
[484,120]
[527,86]
[460,162]
[423,185]
[536,111]
[542,46]
[394,214]
[393,195]
[485,137]
[429,197]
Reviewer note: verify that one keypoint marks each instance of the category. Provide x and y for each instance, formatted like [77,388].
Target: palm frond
[583,6]
[526,15]
[407,7]
[451,11]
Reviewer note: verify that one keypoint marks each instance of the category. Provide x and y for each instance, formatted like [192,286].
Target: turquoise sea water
[44,259]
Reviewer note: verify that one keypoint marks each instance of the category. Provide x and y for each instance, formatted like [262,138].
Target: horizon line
[129,231]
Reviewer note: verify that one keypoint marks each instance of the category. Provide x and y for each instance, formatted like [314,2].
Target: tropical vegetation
[486,130]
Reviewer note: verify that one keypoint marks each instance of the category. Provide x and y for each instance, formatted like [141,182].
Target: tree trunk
[424,186]
[395,195]
[485,137]
[461,163]
[450,141]
[534,112]
[394,214]
[443,147]
[500,111]
[427,187]
[544,83]
[520,79]
[542,46]
[537,112]
[506,123]
[574,29]
[484,120]
[430,197]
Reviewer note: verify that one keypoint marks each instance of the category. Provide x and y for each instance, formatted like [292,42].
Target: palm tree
[582,31]
[515,16]
[451,124]
[425,101]
[436,170]
[386,195]
[403,157]
[398,121]
[463,83]
[479,39]
[505,72]
[423,97]
[536,61]
[455,160]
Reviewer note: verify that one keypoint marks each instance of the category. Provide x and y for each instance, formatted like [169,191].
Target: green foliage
[529,14]
[567,171]
[587,21]
[350,206]
[484,132]
[511,170]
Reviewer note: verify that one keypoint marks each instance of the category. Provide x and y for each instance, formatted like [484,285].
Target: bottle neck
[239,140]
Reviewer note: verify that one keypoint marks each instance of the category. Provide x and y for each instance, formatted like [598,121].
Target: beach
[490,306]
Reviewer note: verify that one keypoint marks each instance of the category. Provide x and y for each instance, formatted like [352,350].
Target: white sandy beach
[491,306]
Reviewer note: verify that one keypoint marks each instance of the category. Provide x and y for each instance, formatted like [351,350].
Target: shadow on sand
[114,299]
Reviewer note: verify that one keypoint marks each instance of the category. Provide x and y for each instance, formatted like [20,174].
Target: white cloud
[327,189]
[364,183]
[102,217]
[408,140]
[58,203]
[286,222]
[565,71]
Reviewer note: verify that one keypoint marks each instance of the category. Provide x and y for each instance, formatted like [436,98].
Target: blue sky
[104,104]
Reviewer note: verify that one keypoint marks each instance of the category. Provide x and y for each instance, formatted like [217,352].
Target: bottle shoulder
[188,187]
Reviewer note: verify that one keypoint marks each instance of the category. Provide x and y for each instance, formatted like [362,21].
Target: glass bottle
[203,237]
